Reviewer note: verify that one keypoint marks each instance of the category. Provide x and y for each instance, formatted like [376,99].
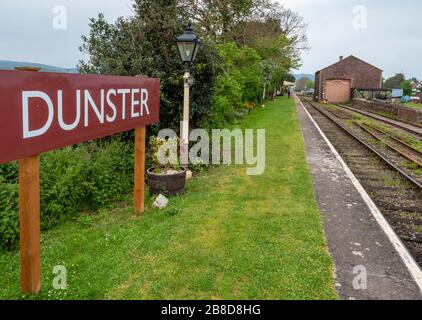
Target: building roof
[349,58]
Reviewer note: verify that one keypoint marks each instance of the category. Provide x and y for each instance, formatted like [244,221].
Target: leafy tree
[276,33]
[240,82]
[261,37]
[219,18]
[290,78]
[395,81]
[145,45]
[301,83]
[407,87]
[310,84]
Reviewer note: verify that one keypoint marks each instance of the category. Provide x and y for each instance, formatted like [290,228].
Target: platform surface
[355,239]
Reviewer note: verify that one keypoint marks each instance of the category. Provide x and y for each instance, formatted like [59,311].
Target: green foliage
[227,100]
[164,150]
[310,84]
[395,81]
[86,177]
[290,78]
[407,87]
[197,165]
[241,82]
[111,171]
[63,181]
[9,172]
[206,243]
[9,214]
[145,44]
[241,40]
[301,83]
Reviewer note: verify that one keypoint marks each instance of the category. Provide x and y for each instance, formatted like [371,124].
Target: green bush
[64,184]
[85,177]
[9,172]
[227,100]
[241,81]
[111,173]
[9,214]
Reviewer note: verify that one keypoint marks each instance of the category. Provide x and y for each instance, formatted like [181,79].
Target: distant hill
[303,75]
[11,65]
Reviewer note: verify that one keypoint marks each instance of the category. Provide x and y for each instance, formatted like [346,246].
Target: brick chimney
[341,58]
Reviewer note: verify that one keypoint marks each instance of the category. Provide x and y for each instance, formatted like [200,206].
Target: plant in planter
[166,176]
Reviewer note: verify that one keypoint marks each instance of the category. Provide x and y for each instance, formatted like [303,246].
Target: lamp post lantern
[188,44]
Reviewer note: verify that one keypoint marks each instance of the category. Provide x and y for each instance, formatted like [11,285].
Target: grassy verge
[231,236]
[414,105]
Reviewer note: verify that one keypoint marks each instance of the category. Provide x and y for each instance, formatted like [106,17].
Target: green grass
[230,236]
[413,105]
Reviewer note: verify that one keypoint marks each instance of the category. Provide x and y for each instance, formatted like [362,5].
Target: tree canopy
[305,83]
[395,81]
[407,87]
[242,42]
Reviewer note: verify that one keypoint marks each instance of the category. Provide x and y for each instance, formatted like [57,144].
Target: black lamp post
[188,44]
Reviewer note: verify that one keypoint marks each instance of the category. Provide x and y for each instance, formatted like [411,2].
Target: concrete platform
[357,240]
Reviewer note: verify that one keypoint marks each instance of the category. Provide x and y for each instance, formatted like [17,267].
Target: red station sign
[40,112]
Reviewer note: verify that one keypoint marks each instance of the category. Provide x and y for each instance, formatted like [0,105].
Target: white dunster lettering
[144,101]
[90,101]
[134,103]
[26,95]
[105,104]
[63,125]
[123,92]
[111,105]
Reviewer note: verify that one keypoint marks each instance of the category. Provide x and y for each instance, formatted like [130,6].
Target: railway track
[397,194]
[414,129]
[392,162]
[394,143]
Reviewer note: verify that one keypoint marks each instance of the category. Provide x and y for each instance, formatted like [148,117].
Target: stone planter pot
[168,184]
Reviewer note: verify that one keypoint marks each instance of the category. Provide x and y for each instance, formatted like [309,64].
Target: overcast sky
[391,40]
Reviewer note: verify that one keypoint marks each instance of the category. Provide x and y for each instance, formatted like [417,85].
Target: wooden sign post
[29,220]
[139,183]
[40,112]
[29,224]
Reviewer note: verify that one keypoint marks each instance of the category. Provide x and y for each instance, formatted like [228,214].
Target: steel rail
[386,120]
[398,140]
[384,159]
[390,145]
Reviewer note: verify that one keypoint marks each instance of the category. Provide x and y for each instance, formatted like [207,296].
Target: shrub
[9,215]
[197,165]
[164,150]
[249,106]
[240,82]
[64,182]
[84,177]
[9,172]
[111,173]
